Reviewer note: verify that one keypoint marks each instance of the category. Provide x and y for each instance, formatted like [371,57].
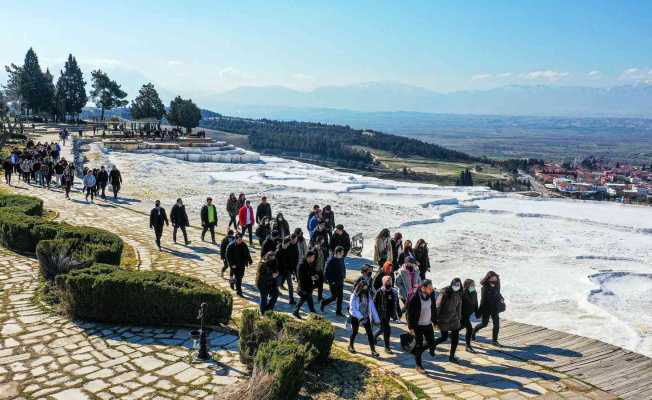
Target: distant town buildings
[591,179]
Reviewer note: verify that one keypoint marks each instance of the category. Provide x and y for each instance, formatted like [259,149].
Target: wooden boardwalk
[607,367]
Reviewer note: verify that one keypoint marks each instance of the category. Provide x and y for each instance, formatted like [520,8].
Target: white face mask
[455,288]
[471,289]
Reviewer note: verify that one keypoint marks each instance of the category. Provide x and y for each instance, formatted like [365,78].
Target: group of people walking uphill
[395,289]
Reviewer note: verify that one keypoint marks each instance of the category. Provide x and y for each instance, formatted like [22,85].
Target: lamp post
[203,347]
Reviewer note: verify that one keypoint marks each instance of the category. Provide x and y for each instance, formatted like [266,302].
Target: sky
[200,47]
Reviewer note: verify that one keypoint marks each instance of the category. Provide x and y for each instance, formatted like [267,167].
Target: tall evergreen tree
[184,113]
[32,83]
[106,93]
[12,87]
[147,104]
[49,91]
[71,89]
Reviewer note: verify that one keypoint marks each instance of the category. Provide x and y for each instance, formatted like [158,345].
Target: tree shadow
[180,254]
[531,352]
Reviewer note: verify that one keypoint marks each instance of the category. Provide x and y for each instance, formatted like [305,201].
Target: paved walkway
[47,355]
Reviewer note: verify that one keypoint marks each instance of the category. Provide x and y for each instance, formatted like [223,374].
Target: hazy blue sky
[201,46]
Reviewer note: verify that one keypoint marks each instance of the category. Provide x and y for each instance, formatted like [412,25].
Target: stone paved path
[46,355]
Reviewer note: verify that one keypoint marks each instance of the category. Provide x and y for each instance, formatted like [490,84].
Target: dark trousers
[238,274]
[233,221]
[287,278]
[8,177]
[102,188]
[337,293]
[305,297]
[248,228]
[495,320]
[455,339]
[208,227]
[225,265]
[116,189]
[158,231]
[183,230]
[385,330]
[421,333]
[355,325]
[320,286]
[67,187]
[468,334]
[268,296]
[89,192]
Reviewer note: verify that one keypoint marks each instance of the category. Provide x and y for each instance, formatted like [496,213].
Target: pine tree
[71,89]
[106,93]
[184,113]
[147,104]
[49,91]
[32,83]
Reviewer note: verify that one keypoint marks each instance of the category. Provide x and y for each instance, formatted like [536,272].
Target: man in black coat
[228,239]
[208,219]
[271,243]
[238,257]
[307,277]
[263,210]
[287,258]
[116,181]
[157,219]
[341,238]
[421,315]
[179,219]
[334,275]
[102,180]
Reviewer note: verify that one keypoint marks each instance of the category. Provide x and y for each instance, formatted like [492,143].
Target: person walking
[287,259]
[307,277]
[246,218]
[281,226]
[8,170]
[341,238]
[329,217]
[385,270]
[179,219]
[334,275]
[302,245]
[232,209]
[58,173]
[449,316]
[386,301]
[102,181]
[67,180]
[363,312]
[423,260]
[397,247]
[383,248]
[263,230]
[491,304]
[407,252]
[228,239]
[271,243]
[313,223]
[208,216]
[408,280]
[263,210]
[469,307]
[116,181]
[421,315]
[318,248]
[157,219]
[89,184]
[238,257]
[266,282]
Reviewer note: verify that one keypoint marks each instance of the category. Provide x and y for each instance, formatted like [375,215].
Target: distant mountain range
[629,100]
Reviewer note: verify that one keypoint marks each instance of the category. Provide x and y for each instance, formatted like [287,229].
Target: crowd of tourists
[394,289]
[41,164]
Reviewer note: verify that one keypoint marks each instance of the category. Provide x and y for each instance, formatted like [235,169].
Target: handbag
[408,342]
[501,305]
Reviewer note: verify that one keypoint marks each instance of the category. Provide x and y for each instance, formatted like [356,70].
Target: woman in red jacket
[247,219]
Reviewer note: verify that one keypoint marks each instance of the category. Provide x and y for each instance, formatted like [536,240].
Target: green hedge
[283,361]
[316,333]
[61,256]
[107,294]
[22,228]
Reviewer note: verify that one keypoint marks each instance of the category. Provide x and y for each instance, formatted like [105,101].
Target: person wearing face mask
[397,248]
[363,312]
[386,302]
[281,225]
[408,280]
[287,257]
[266,282]
[208,216]
[179,219]
[334,274]
[449,316]
[421,315]
[491,304]
[308,277]
[366,275]
[385,270]
[423,260]
[382,248]
[407,252]
[157,219]
[469,307]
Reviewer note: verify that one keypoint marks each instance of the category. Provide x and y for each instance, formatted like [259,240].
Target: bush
[60,256]
[316,333]
[22,227]
[105,293]
[283,361]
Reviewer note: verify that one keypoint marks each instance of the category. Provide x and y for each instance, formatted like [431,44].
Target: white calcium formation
[197,151]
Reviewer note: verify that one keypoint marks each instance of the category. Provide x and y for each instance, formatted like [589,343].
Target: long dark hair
[488,276]
[383,234]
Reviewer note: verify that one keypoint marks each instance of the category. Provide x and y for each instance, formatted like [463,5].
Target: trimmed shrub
[105,293]
[283,361]
[61,256]
[316,333]
[254,331]
[22,204]
[105,247]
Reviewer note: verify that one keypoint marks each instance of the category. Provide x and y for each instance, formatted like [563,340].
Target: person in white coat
[363,312]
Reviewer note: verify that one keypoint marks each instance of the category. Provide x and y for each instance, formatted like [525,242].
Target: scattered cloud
[504,75]
[595,74]
[636,75]
[546,75]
